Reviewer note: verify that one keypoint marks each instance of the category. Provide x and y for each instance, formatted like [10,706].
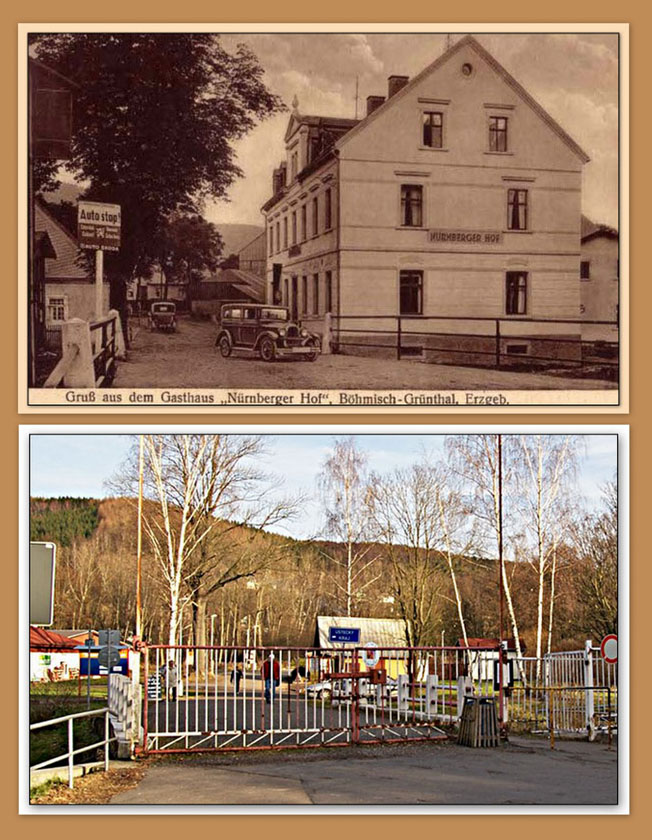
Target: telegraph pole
[501,568]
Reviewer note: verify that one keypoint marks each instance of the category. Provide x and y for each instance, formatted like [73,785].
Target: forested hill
[63,520]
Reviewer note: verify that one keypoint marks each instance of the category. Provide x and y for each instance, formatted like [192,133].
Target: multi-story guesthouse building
[456,197]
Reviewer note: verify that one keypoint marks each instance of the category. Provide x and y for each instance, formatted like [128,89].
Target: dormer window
[294,165]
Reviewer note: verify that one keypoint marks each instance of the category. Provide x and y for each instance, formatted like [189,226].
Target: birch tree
[344,488]
[546,468]
[476,460]
[407,516]
[212,505]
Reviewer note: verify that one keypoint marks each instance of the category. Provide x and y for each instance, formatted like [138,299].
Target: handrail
[62,366]
[72,752]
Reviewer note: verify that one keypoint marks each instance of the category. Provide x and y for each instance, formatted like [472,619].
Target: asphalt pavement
[523,772]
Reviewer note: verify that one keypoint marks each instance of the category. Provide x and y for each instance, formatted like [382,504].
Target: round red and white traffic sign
[371,655]
[609,648]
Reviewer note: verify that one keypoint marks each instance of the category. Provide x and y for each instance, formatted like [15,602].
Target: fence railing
[480,341]
[89,353]
[71,753]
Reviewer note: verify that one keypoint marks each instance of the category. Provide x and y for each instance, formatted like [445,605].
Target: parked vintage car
[163,316]
[266,330]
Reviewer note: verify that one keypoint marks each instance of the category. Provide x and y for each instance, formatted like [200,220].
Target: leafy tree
[155,118]
[190,245]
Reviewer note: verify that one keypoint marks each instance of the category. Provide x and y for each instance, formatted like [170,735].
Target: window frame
[328,209]
[583,275]
[495,133]
[510,209]
[403,275]
[304,222]
[49,305]
[315,293]
[427,112]
[517,275]
[315,216]
[403,205]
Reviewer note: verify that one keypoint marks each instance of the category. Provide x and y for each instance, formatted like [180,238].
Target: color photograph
[325,619]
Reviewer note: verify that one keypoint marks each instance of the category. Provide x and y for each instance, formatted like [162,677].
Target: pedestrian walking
[171,680]
[271,673]
[236,677]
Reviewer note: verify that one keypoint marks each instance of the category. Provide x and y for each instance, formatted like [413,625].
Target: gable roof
[384,632]
[470,41]
[590,230]
[337,123]
[65,266]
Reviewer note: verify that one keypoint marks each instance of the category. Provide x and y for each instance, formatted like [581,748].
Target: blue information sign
[344,634]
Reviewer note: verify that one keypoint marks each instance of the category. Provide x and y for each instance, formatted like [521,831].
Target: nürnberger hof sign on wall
[466,237]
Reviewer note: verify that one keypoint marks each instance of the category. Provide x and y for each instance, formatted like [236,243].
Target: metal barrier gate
[230,698]
[568,692]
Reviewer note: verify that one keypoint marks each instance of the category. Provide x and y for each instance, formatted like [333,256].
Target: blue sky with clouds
[80,464]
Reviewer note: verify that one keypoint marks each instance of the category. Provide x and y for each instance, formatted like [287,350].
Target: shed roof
[384,632]
[42,639]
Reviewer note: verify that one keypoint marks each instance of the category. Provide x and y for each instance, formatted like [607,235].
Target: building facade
[456,197]
[599,276]
[69,285]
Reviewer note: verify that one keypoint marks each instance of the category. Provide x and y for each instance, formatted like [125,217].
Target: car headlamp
[304,333]
[281,331]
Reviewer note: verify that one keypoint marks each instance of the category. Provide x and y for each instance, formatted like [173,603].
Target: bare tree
[212,506]
[546,466]
[407,516]
[344,488]
[595,540]
[476,460]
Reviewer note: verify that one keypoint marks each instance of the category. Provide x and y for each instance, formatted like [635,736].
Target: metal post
[497,342]
[99,275]
[589,692]
[551,716]
[139,614]
[501,565]
[70,755]
[106,741]
[89,644]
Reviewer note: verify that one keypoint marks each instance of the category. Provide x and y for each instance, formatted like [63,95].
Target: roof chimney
[395,83]
[374,102]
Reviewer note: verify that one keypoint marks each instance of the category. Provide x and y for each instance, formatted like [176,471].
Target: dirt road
[189,359]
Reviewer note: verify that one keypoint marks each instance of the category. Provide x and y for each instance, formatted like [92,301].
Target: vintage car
[267,330]
[163,315]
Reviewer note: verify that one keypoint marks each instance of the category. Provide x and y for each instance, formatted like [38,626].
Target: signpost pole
[89,644]
[99,280]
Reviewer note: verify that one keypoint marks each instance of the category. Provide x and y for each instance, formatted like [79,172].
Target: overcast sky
[573,76]
[80,464]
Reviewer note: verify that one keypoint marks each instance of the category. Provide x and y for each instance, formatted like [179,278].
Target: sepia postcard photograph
[334,218]
[319,621]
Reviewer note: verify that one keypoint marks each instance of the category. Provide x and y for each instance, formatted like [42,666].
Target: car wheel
[312,357]
[267,350]
[225,346]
